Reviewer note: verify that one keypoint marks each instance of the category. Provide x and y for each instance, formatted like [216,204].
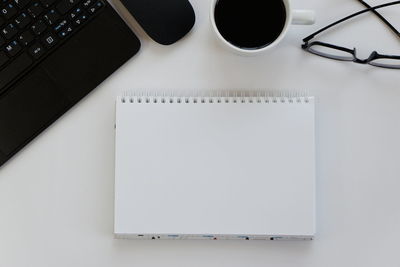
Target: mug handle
[303,17]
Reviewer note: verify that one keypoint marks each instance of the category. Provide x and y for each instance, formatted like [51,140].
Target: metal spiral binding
[214,97]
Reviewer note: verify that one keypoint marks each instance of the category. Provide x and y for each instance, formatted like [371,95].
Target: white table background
[56,196]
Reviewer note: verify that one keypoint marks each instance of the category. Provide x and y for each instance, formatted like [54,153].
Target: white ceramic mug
[296,17]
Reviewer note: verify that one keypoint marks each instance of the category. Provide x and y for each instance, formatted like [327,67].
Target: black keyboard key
[81,19]
[87,3]
[9,31]
[74,13]
[35,10]
[25,38]
[66,31]
[51,17]
[13,48]
[36,50]
[2,21]
[47,3]
[22,3]
[49,40]
[38,27]
[22,20]
[3,58]
[8,11]
[2,41]
[60,25]
[93,9]
[66,5]
[18,65]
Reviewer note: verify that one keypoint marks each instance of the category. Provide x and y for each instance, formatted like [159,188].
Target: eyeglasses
[346,54]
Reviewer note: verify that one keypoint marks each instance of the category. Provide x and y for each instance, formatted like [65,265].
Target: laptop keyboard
[31,29]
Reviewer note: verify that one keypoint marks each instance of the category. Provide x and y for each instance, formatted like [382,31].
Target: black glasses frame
[308,46]
[394,30]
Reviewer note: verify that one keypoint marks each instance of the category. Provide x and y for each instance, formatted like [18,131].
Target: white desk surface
[56,196]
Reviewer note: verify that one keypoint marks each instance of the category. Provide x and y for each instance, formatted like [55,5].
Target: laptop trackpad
[29,107]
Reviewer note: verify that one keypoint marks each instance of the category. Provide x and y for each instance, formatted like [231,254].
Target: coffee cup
[252,27]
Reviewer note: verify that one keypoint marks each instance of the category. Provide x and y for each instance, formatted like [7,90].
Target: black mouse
[165,21]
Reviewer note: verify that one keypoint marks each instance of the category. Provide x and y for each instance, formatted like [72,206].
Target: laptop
[52,54]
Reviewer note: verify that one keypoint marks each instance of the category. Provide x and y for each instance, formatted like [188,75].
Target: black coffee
[250,24]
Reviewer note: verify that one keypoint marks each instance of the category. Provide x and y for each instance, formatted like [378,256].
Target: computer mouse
[165,21]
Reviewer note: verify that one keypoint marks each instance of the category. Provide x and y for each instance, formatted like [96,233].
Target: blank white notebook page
[228,166]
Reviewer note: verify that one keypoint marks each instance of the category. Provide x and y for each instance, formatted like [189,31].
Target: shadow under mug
[295,17]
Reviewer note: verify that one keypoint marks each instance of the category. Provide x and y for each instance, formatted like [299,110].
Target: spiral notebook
[222,166]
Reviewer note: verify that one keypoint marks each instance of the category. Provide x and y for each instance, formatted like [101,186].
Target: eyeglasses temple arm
[382,18]
[308,38]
